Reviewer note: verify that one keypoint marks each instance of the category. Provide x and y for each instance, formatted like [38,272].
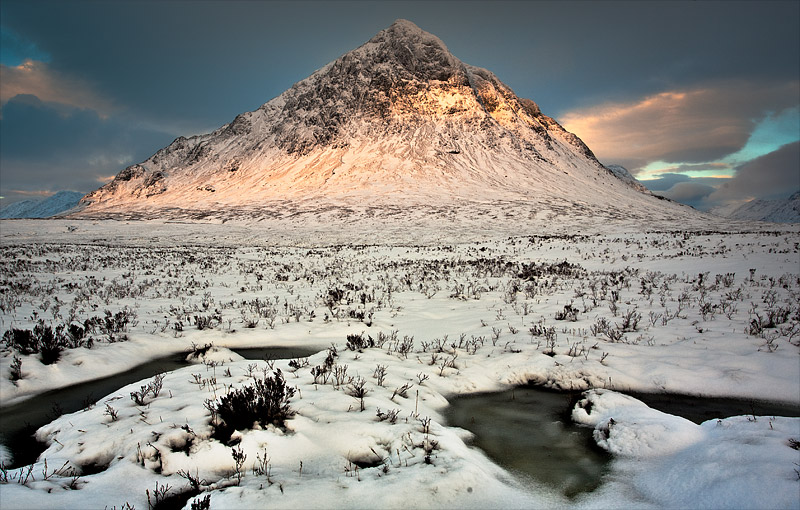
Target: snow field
[473,317]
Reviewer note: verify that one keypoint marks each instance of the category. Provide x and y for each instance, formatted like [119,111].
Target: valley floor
[400,329]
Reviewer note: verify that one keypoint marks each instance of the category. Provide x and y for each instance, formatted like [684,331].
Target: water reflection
[527,431]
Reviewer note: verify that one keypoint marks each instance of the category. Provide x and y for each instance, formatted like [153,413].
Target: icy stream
[18,422]
[528,431]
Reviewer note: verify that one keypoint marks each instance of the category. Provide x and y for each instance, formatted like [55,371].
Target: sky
[699,100]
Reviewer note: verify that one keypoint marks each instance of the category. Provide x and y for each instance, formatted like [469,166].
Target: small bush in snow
[630,321]
[568,314]
[266,402]
[357,389]
[359,343]
[203,503]
[16,369]
[153,387]
[208,321]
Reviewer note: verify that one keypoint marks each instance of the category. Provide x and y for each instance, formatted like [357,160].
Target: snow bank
[625,426]
[667,461]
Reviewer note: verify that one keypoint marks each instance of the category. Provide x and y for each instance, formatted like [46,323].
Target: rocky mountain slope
[396,127]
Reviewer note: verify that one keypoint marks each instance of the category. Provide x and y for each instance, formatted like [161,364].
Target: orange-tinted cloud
[34,193]
[36,78]
[682,126]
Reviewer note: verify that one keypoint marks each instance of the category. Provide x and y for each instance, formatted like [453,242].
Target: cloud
[774,131]
[691,125]
[52,147]
[34,193]
[774,175]
[35,78]
[665,181]
[688,192]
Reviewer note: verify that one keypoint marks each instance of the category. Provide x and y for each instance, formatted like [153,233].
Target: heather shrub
[265,402]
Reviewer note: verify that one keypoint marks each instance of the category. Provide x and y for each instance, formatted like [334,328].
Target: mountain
[786,210]
[395,128]
[18,209]
[621,173]
[55,204]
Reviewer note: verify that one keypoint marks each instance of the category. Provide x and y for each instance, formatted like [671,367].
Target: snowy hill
[55,204]
[786,210]
[396,127]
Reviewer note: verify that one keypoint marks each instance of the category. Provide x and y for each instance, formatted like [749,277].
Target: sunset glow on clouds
[705,135]
[684,126]
[36,78]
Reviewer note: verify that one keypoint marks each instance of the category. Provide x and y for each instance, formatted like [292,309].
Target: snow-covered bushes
[49,341]
[42,340]
[266,402]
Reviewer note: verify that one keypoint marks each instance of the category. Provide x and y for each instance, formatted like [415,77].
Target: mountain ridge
[57,203]
[786,210]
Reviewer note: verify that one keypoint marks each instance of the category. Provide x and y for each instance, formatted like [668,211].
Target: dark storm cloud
[665,181]
[692,191]
[774,175]
[194,65]
[689,193]
[575,54]
[208,61]
[49,147]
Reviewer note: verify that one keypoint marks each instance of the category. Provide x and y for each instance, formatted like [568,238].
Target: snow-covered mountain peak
[405,32]
[419,53]
[398,121]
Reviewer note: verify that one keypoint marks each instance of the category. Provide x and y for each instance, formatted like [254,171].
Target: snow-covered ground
[401,329]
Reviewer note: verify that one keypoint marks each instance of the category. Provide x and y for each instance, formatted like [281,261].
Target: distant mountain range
[786,210]
[397,128]
[55,204]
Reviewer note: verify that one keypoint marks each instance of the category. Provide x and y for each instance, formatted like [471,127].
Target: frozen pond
[270,353]
[700,409]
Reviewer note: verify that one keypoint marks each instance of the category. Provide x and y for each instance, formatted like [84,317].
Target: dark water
[19,421]
[270,353]
[700,409]
[528,430]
